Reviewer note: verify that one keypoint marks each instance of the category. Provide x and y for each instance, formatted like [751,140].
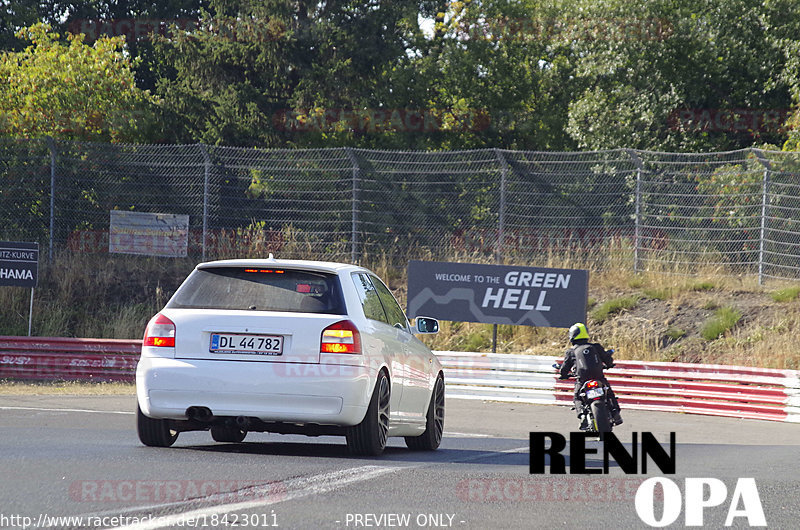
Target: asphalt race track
[79,456]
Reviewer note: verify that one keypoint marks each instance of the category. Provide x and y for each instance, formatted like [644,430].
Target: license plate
[594,393]
[246,344]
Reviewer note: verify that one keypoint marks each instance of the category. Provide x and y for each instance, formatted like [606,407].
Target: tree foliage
[252,69]
[71,90]
[435,74]
[682,55]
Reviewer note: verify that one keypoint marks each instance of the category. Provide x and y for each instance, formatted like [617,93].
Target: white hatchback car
[293,347]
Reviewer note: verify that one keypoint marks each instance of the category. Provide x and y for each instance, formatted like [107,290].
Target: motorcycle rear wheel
[600,417]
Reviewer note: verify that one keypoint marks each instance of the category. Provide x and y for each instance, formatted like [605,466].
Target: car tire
[221,433]
[369,437]
[434,422]
[154,432]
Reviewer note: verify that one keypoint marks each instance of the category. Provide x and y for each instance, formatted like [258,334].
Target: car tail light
[160,332]
[341,337]
[592,384]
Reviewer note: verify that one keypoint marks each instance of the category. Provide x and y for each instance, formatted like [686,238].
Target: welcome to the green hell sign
[497,294]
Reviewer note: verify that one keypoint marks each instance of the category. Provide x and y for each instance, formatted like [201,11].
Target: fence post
[764,203]
[637,219]
[206,179]
[501,218]
[354,201]
[501,224]
[51,145]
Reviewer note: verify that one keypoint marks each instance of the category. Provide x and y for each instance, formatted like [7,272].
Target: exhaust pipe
[201,414]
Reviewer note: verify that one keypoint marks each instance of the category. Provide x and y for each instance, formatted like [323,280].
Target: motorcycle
[594,403]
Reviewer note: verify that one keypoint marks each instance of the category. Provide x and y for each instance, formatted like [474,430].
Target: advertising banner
[497,294]
[19,264]
[149,234]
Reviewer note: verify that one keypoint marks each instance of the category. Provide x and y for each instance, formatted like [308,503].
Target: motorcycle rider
[588,359]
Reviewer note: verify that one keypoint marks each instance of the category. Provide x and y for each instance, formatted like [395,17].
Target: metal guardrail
[718,390]
[43,358]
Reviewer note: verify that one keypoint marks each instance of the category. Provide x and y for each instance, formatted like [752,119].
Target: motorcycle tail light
[592,384]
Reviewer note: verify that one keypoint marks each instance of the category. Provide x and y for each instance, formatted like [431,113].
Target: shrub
[701,286]
[785,295]
[723,320]
[710,304]
[658,294]
[636,282]
[675,333]
[608,308]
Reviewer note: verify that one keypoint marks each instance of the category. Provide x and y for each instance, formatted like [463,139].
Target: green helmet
[578,331]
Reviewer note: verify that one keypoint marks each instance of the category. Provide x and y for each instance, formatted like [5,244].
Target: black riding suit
[588,359]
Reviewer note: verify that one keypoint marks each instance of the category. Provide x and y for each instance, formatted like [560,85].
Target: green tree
[784,30]
[233,79]
[495,65]
[135,20]
[222,82]
[71,90]
[642,64]
[12,18]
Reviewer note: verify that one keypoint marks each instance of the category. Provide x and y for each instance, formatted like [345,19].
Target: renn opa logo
[698,493]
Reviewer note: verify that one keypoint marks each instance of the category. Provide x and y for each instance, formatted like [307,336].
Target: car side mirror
[427,325]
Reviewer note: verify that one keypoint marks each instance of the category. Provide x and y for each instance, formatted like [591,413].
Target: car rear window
[259,289]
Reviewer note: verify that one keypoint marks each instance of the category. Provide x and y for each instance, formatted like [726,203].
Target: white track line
[492,454]
[468,434]
[41,409]
[295,489]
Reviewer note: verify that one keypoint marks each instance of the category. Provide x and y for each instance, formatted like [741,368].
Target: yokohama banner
[19,264]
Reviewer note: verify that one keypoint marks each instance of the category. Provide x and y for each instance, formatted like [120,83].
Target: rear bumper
[295,393]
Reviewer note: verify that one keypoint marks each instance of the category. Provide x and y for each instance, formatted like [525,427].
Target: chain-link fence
[737,210]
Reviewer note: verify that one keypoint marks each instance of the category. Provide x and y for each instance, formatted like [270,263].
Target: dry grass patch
[66,388]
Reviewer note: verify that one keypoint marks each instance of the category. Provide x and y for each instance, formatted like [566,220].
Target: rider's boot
[584,422]
[616,418]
